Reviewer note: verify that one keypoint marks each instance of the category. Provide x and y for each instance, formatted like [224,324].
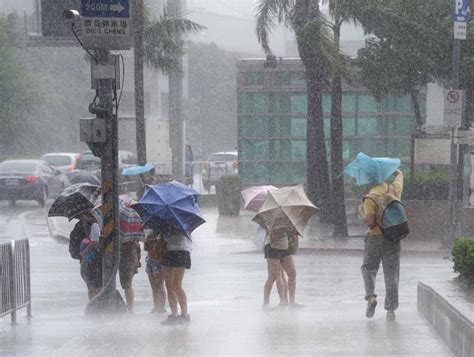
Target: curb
[455,328]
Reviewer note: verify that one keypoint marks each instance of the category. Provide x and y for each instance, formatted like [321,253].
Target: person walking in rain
[378,248]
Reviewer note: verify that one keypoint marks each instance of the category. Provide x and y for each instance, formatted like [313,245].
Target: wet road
[224,289]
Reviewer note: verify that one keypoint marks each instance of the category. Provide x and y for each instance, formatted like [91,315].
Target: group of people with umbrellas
[166,214]
[163,218]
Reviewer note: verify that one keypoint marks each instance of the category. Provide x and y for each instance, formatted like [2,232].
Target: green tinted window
[367,103]
[299,103]
[348,126]
[281,127]
[281,150]
[326,104]
[298,150]
[298,127]
[254,150]
[282,103]
[253,78]
[253,103]
[282,78]
[367,126]
[348,103]
[254,126]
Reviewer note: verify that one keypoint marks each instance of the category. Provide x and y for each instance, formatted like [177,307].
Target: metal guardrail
[15,278]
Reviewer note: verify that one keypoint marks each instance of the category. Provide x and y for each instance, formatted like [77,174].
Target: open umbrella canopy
[371,170]
[82,176]
[137,170]
[131,226]
[286,209]
[170,204]
[255,196]
[75,199]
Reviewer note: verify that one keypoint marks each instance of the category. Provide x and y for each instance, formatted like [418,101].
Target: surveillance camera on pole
[71,15]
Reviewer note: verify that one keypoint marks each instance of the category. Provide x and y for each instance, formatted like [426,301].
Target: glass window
[254,126]
[299,103]
[326,104]
[18,167]
[282,103]
[348,103]
[253,78]
[298,150]
[298,127]
[281,127]
[281,150]
[282,78]
[57,160]
[297,78]
[253,103]
[367,126]
[255,150]
[367,103]
[348,126]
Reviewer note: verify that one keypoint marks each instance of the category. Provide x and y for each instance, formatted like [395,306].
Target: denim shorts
[152,265]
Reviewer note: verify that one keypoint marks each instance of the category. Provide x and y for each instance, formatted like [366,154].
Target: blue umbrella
[170,205]
[137,170]
[371,170]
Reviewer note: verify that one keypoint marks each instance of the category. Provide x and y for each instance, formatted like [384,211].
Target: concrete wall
[455,328]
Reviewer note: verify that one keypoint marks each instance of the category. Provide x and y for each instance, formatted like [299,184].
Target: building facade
[272,106]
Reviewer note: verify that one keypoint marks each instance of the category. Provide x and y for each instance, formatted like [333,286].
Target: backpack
[75,239]
[391,216]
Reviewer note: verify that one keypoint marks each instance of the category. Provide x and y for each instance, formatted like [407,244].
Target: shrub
[228,195]
[463,258]
[427,185]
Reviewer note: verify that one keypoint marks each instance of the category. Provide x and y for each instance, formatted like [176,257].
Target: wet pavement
[224,290]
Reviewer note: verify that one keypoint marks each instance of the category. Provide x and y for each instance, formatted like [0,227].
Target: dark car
[29,180]
[87,161]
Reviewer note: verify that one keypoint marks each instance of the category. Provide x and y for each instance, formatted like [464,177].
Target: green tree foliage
[18,98]
[211,107]
[163,41]
[410,46]
[463,258]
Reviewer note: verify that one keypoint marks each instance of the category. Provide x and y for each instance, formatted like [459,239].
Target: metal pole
[138,53]
[109,299]
[175,114]
[12,283]
[453,158]
[28,278]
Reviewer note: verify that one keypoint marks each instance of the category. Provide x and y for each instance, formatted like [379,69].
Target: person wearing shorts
[278,256]
[177,260]
[155,274]
[128,267]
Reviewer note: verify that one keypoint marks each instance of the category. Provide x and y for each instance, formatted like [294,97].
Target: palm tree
[340,11]
[305,18]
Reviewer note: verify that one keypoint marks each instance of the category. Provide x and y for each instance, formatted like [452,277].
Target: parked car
[62,161]
[87,161]
[29,180]
[217,165]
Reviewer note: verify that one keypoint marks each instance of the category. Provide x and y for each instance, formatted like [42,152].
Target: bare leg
[289,266]
[129,297]
[172,298]
[285,285]
[273,269]
[151,279]
[159,280]
[178,275]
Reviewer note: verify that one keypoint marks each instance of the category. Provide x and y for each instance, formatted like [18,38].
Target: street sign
[453,107]
[106,24]
[105,8]
[460,10]
[460,30]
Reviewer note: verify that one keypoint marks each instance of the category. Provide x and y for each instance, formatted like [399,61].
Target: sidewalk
[224,292]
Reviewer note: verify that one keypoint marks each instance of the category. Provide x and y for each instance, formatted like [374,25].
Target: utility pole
[460,21]
[138,55]
[175,85]
[109,299]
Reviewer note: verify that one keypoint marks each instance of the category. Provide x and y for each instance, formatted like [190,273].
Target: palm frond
[268,13]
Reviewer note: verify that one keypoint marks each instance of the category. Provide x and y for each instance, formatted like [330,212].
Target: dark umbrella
[75,199]
[170,204]
[82,176]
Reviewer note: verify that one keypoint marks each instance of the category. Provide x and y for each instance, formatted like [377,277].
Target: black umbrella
[75,199]
[82,176]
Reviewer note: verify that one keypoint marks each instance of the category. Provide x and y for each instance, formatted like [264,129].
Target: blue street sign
[460,10]
[105,8]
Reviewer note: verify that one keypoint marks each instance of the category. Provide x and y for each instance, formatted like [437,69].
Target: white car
[219,164]
[62,161]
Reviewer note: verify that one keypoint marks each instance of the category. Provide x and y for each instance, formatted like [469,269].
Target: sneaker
[390,315]
[184,319]
[170,320]
[371,304]
[295,305]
